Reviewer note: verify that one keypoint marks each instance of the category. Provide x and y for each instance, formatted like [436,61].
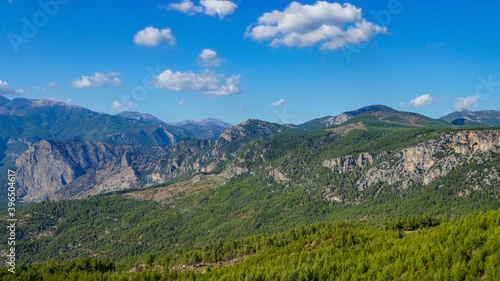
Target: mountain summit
[466,117]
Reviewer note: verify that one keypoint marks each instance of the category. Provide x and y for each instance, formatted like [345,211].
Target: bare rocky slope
[422,163]
[53,170]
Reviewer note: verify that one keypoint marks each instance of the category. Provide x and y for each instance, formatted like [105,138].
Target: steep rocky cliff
[422,163]
[53,170]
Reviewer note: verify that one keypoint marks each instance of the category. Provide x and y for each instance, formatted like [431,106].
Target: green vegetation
[465,249]
[117,228]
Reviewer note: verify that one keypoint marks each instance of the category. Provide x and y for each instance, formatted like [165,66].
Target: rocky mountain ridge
[24,122]
[467,117]
[61,169]
[428,161]
[54,170]
[89,168]
[204,122]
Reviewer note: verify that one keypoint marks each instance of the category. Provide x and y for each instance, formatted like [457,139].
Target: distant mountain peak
[204,122]
[461,116]
[343,117]
[3,100]
[369,108]
[145,117]
[20,106]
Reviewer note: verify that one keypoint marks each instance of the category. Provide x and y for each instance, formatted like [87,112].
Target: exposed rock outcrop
[278,176]
[52,170]
[347,163]
[335,120]
[428,161]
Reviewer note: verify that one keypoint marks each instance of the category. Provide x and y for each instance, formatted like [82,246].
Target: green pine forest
[415,248]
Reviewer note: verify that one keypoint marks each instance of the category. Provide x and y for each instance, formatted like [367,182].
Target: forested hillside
[418,248]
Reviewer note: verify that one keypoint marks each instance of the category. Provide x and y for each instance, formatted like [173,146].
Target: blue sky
[280,61]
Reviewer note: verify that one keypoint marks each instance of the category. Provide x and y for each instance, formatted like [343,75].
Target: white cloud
[423,100]
[240,107]
[331,24]
[208,82]
[120,105]
[98,80]
[53,84]
[277,103]
[181,102]
[402,104]
[209,58]
[466,102]
[69,100]
[185,7]
[151,36]
[219,8]
[6,89]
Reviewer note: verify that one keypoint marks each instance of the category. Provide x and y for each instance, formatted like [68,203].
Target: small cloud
[466,102]
[52,98]
[98,80]
[403,105]
[209,58]
[151,36]
[219,8]
[332,25]
[277,103]
[240,107]
[208,82]
[6,89]
[39,89]
[53,84]
[68,100]
[423,100]
[120,105]
[181,102]
[185,7]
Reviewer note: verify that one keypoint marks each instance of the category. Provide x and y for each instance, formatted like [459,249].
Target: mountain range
[467,117]
[27,122]
[24,122]
[145,186]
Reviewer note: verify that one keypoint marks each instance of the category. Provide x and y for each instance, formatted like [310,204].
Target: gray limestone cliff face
[347,163]
[422,163]
[181,160]
[335,120]
[53,170]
